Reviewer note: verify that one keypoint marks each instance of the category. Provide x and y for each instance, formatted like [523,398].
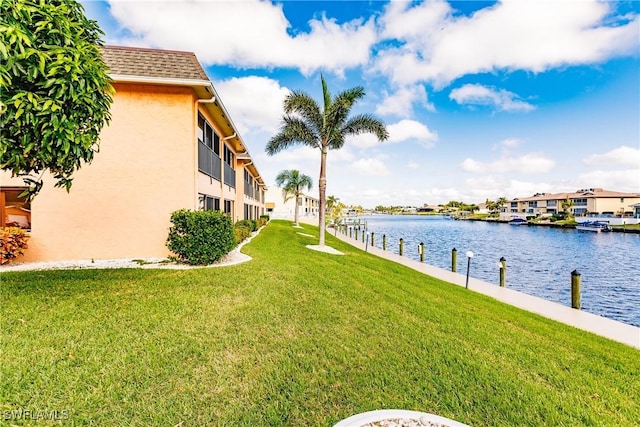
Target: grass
[627,227]
[299,338]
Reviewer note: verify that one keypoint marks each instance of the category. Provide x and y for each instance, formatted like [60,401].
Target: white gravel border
[232,258]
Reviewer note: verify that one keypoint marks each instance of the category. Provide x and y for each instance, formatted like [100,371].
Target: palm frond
[301,104]
[365,123]
[326,95]
[292,183]
[294,131]
[338,113]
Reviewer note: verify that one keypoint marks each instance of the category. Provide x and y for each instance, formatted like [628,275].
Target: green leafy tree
[305,123]
[490,205]
[332,208]
[54,90]
[332,201]
[293,184]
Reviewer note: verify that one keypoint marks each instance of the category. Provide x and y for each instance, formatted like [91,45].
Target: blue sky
[481,99]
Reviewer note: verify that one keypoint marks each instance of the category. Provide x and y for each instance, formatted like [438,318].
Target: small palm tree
[501,202]
[332,201]
[490,205]
[566,206]
[307,124]
[293,183]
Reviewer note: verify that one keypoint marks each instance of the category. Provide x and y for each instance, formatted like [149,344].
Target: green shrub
[265,218]
[200,237]
[248,223]
[254,224]
[13,242]
[241,233]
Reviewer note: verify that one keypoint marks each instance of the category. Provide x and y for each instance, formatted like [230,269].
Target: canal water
[539,259]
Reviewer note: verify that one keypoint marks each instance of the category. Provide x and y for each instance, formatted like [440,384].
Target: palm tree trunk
[322,186]
[295,215]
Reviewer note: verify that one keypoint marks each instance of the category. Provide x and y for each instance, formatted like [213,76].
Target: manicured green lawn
[300,338]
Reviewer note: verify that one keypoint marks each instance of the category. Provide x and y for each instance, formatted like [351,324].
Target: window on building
[208,149]
[228,156]
[207,135]
[15,211]
[208,203]
[228,206]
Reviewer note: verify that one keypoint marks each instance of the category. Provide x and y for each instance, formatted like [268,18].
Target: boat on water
[596,226]
[517,221]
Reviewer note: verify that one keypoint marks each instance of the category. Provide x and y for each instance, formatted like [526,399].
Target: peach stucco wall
[611,204]
[120,205]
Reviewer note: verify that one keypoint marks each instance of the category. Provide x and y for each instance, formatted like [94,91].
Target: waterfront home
[278,207]
[592,201]
[170,145]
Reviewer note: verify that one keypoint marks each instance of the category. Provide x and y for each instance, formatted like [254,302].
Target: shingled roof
[140,62]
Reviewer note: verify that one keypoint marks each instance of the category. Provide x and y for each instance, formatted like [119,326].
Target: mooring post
[363,233]
[372,241]
[349,232]
[357,233]
[469,256]
[454,260]
[384,242]
[575,289]
[421,250]
[401,246]
[503,271]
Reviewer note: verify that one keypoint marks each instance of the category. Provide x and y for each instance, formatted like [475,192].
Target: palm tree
[566,207]
[293,183]
[332,201]
[500,203]
[307,124]
[490,205]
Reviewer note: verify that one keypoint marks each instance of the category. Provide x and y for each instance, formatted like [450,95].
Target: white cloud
[405,130]
[304,153]
[299,153]
[370,167]
[502,100]
[413,165]
[364,140]
[511,143]
[622,156]
[239,96]
[438,46]
[619,180]
[401,102]
[530,163]
[248,33]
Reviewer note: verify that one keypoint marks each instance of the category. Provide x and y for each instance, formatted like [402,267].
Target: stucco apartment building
[170,145]
[277,207]
[589,201]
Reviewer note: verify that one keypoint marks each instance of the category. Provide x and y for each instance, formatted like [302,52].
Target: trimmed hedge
[249,224]
[200,237]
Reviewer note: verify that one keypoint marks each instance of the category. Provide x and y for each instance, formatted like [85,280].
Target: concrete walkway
[614,330]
